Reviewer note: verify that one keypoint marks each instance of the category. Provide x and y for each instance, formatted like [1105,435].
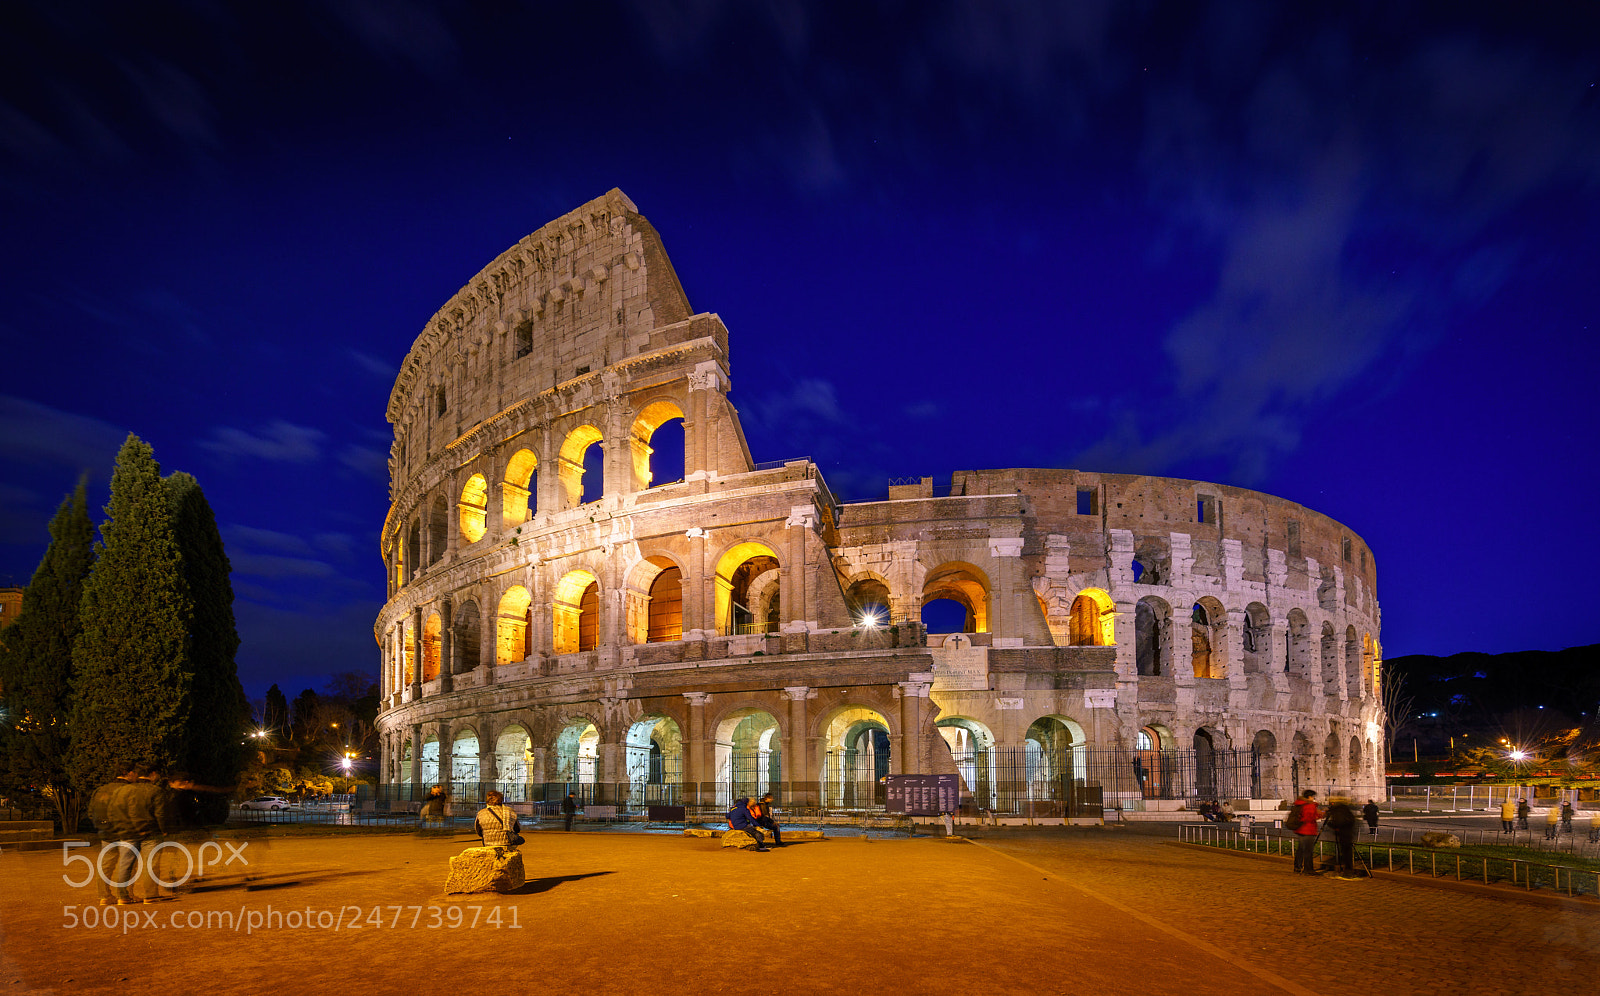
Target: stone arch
[1208,621]
[1152,636]
[1352,663]
[519,491]
[1256,637]
[513,625]
[413,559]
[1154,761]
[1093,620]
[971,746]
[1056,754]
[570,465]
[654,760]
[654,600]
[408,649]
[575,612]
[430,762]
[1331,678]
[1264,765]
[867,596]
[404,754]
[466,642]
[464,753]
[430,647]
[650,418]
[1355,760]
[964,584]
[748,756]
[738,566]
[1301,756]
[577,755]
[1327,591]
[474,508]
[1369,665]
[855,760]
[438,529]
[1299,639]
[1210,777]
[513,762]
[1332,758]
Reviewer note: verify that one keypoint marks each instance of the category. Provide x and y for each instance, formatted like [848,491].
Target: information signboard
[923,795]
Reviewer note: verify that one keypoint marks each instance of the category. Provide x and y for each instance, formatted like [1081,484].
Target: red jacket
[1309,818]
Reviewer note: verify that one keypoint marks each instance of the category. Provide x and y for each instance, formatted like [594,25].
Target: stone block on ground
[1438,838]
[485,869]
[742,838]
[698,832]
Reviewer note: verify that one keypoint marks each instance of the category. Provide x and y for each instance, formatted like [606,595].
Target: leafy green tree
[36,663]
[133,675]
[219,712]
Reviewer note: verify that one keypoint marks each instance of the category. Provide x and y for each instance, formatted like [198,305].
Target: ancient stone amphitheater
[566,615]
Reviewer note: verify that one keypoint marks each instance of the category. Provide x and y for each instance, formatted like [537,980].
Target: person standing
[1305,822]
[569,809]
[110,843]
[1594,827]
[1522,813]
[1341,819]
[140,816]
[1552,821]
[1508,815]
[1369,812]
[1566,815]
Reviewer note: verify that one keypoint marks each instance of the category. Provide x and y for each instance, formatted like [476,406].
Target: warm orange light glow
[473,508]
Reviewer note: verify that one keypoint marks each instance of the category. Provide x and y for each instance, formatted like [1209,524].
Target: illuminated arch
[430,761]
[650,418]
[868,599]
[430,648]
[971,746]
[575,612]
[569,466]
[512,624]
[1208,622]
[963,584]
[748,755]
[855,758]
[653,599]
[654,761]
[1056,756]
[1093,620]
[737,568]
[578,753]
[474,507]
[519,501]
[1369,665]
[464,764]
[513,761]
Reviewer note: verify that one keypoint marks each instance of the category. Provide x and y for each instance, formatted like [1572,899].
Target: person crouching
[739,818]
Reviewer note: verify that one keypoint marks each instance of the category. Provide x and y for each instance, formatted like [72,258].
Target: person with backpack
[1304,822]
[1341,819]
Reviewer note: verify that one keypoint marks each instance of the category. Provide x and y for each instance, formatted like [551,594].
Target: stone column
[447,660]
[695,764]
[798,761]
[416,758]
[1005,553]
[446,749]
[913,696]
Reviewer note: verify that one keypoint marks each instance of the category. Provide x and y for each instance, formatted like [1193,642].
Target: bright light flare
[1519,755]
[870,620]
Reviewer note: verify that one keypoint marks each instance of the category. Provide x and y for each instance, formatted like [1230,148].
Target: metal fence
[1431,862]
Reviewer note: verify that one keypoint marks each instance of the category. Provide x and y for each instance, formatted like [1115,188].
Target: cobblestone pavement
[1075,911]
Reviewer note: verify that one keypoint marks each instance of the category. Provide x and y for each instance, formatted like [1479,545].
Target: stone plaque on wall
[960,668]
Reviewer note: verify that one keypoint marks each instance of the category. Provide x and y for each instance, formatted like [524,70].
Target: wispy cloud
[278,441]
[368,363]
[365,461]
[38,434]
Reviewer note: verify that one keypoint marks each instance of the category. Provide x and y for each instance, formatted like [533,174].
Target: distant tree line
[124,651]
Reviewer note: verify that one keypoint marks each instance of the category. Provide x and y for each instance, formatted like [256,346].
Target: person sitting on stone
[739,818]
[496,824]
[761,812]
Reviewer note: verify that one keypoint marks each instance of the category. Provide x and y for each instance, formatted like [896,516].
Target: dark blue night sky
[1347,256]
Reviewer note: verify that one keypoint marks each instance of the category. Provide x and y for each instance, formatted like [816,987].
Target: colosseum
[567,614]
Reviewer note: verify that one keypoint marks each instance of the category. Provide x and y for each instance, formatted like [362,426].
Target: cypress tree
[275,712]
[36,663]
[219,711]
[132,672]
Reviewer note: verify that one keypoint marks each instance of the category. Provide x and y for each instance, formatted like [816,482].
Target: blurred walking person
[111,845]
[1508,815]
[569,809]
[1369,812]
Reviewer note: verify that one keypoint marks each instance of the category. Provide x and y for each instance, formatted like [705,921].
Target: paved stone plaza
[1085,910]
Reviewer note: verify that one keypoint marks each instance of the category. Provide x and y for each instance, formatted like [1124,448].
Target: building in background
[566,614]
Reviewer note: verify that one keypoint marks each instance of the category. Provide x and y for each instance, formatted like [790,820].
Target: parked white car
[272,803]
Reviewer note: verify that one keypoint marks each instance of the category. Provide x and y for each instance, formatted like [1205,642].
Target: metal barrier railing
[1463,867]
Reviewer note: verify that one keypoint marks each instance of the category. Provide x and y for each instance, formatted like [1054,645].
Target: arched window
[575,612]
[474,508]
[1331,677]
[512,626]
[582,477]
[868,601]
[438,529]
[1093,620]
[746,590]
[430,648]
[962,584]
[468,640]
[518,491]
[666,606]
[1152,634]
[657,442]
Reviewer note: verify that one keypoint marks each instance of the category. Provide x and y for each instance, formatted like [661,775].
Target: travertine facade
[741,627]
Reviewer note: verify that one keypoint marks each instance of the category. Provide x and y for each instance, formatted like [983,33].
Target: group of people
[133,814]
[1514,816]
[1307,821]
[754,817]
[1214,812]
